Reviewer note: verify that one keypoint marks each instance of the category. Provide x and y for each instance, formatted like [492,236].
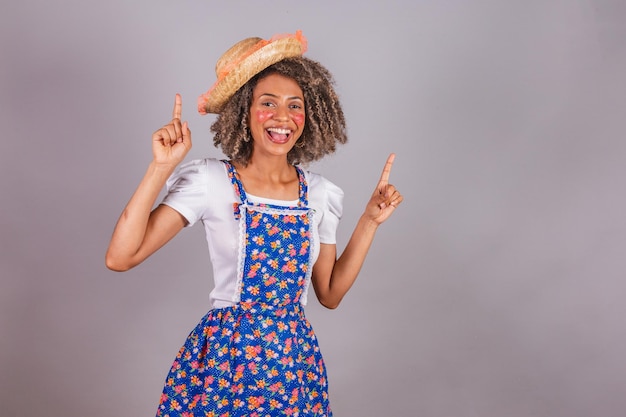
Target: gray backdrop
[497,289]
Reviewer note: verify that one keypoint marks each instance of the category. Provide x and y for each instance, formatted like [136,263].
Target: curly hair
[325,124]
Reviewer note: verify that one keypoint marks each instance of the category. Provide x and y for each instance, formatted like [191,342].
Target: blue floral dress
[259,357]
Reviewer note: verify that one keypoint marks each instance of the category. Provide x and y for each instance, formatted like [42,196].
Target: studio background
[496,289]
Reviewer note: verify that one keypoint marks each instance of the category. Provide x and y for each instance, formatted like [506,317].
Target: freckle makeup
[262,116]
[298,119]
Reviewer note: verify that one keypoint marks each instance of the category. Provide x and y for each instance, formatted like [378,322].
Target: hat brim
[241,72]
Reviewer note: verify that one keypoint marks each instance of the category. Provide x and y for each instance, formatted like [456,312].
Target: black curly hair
[325,125]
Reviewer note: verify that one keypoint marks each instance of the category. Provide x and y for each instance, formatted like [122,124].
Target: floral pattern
[259,357]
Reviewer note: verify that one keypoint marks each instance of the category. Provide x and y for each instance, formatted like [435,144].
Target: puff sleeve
[331,206]
[187,190]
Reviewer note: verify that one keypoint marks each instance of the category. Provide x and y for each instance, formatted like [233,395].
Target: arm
[332,277]
[141,231]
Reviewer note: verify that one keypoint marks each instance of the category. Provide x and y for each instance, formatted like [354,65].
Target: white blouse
[201,190]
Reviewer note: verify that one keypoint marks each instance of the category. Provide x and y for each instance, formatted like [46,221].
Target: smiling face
[276,115]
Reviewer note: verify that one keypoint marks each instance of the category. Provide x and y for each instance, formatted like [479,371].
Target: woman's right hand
[141,230]
[171,143]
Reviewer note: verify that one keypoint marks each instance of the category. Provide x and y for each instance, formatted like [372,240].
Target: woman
[270,230]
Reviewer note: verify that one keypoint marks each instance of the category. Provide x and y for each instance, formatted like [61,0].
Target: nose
[282,113]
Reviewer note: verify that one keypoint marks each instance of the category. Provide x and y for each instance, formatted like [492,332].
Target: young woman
[270,229]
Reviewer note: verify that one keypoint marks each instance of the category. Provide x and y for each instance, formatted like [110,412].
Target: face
[276,115]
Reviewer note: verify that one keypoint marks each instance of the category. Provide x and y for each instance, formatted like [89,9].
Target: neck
[268,177]
[269,169]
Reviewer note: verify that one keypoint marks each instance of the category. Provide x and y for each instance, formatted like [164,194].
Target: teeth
[280,131]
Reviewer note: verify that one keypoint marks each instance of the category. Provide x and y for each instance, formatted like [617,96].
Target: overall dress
[259,357]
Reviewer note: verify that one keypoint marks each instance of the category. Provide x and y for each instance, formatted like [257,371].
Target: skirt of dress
[248,360]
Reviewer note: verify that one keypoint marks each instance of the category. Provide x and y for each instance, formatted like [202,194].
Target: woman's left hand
[332,276]
[385,198]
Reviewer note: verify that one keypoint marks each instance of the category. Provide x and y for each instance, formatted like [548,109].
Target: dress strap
[236,182]
[303,200]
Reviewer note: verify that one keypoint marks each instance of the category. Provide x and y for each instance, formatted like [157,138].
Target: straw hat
[243,61]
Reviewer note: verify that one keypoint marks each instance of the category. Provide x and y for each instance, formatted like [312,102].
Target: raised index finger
[384,177]
[178,107]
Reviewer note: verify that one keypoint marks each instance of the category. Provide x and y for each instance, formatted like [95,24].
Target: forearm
[349,264]
[130,230]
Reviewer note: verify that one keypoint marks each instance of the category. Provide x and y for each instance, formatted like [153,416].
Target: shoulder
[196,172]
[203,164]
[319,183]
[324,194]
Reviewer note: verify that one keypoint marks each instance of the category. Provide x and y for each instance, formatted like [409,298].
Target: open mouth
[278,135]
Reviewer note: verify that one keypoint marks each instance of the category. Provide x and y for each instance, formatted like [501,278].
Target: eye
[267,104]
[295,106]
